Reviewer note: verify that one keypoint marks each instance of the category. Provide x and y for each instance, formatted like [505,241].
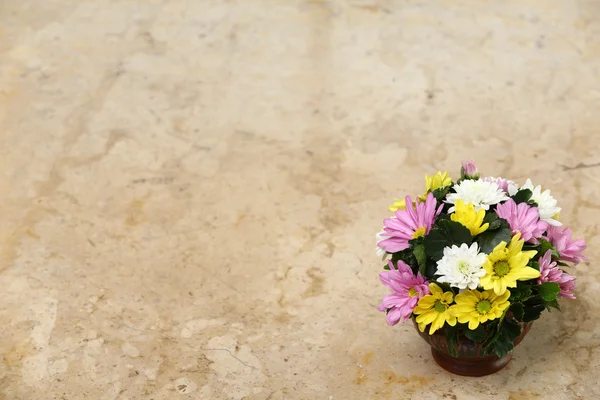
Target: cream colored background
[190,189]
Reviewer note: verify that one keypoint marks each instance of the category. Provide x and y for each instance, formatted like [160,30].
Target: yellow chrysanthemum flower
[475,307]
[435,309]
[437,181]
[505,266]
[399,204]
[466,215]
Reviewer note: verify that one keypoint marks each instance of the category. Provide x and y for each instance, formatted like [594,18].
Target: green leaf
[535,265]
[443,217]
[419,253]
[522,196]
[386,267]
[532,313]
[452,340]
[408,257]
[505,342]
[477,335]
[431,270]
[548,290]
[488,240]
[445,234]
[562,264]
[416,242]
[532,309]
[517,311]
[492,219]
[545,246]
[552,304]
[440,193]
[555,254]
[529,246]
[494,331]
[402,255]
[521,293]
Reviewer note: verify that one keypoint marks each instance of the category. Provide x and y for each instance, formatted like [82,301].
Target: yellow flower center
[419,232]
[483,307]
[463,266]
[412,292]
[501,268]
[439,307]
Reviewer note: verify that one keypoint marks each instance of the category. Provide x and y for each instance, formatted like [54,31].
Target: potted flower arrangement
[473,263]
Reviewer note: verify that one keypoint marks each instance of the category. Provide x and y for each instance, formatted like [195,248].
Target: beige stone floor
[190,189]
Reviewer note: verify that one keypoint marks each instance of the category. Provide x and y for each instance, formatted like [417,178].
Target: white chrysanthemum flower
[546,204]
[380,251]
[481,193]
[462,266]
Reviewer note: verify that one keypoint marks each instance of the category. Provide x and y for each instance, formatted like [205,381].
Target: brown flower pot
[470,360]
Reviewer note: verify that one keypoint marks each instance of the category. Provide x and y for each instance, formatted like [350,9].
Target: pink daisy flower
[501,182]
[569,249]
[551,273]
[409,224]
[407,288]
[522,219]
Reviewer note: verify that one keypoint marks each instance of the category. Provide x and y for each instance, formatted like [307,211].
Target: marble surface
[191,189]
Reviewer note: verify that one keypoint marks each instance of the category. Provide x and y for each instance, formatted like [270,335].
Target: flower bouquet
[473,263]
